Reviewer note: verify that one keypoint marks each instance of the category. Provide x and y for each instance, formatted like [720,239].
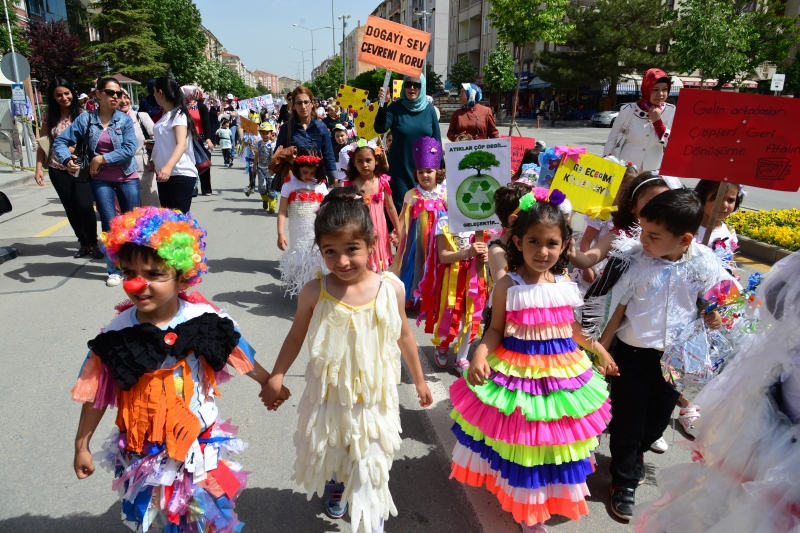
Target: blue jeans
[105,192]
[233,137]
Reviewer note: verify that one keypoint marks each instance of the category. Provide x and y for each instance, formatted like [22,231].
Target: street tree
[20,45]
[478,161]
[520,22]
[326,85]
[608,40]
[53,51]
[462,71]
[498,74]
[433,82]
[176,24]
[127,43]
[727,39]
[372,80]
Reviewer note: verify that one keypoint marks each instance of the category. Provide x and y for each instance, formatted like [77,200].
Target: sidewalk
[12,179]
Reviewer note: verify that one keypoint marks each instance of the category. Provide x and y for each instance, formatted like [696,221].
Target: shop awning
[694,82]
[538,83]
[632,86]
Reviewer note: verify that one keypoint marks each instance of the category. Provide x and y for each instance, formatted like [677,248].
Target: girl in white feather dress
[355,328]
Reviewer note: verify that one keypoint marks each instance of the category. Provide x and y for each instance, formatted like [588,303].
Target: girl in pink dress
[366,171]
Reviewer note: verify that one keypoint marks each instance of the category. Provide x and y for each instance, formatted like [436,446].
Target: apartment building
[322,68]
[287,85]
[213,49]
[270,81]
[470,33]
[428,15]
[350,49]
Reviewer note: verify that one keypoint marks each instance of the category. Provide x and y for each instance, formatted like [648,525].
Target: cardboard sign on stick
[747,139]
[519,145]
[397,86]
[351,98]
[590,182]
[365,122]
[475,170]
[394,46]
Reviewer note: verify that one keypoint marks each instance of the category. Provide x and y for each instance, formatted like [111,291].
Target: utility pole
[344,18]
[17,80]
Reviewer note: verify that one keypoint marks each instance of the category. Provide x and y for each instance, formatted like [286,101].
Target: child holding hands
[355,329]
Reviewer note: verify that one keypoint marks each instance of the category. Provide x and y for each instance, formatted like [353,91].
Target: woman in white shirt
[173,152]
[641,130]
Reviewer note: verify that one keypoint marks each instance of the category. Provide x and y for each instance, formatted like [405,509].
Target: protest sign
[248,126]
[741,138]
[590,182]
[268,103]
[351,98]
[397,86]
[394,46]
[519,145]
[364,120]
[475,170]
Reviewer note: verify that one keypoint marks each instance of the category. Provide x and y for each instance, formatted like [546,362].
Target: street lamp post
[344,18]
[313,63]
[303,54]
[424,16]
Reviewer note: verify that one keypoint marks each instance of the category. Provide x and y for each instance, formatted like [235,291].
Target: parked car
[606,118]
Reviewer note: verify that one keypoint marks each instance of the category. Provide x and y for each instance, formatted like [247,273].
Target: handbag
[622,136]
[202,157]
[83,157]
[282,160]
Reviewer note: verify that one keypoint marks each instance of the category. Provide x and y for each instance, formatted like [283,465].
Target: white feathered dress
[349,414]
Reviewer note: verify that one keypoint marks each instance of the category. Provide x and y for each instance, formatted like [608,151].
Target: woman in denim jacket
[113,142]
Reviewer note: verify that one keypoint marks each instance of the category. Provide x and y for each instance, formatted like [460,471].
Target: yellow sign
[351,98]
[397,86]
[365,122]
[590,182]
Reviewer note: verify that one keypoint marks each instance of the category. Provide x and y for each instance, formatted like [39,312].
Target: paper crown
[427,153]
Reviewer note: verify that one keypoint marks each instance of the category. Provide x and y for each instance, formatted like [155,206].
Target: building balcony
[472,11]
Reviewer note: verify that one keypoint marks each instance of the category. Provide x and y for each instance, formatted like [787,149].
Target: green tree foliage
[221,78]
[372,80]
[519,22]
[792,83]
[433,82]
[498,74]
[176,24]
[478,161]
[462,71]
[726,39]
[608,40]
[128,42]
[326,85]
[20,45]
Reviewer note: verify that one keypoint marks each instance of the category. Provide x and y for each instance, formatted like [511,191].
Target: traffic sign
[777,82]
[7,67]
[18,93]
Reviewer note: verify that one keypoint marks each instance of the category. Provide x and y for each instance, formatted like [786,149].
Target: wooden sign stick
[712,220]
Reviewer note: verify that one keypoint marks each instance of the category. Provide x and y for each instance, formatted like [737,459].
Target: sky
[260,32]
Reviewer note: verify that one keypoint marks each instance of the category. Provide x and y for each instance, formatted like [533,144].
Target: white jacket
[637,139]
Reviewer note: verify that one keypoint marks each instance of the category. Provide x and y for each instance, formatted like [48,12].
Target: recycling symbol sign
[475,196]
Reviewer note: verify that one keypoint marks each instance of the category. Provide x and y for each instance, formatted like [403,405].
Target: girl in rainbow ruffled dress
[422,207]
[159,363]
[530,409]
[301,197]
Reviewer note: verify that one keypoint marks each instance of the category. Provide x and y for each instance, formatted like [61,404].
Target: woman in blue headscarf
[474,119]
[409,118]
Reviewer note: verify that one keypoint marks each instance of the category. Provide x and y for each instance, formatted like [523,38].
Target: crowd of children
[558,360]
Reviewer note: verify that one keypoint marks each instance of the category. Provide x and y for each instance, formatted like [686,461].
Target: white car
[606,118]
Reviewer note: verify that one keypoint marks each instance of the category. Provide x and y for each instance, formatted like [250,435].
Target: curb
[24,179]
[766,253]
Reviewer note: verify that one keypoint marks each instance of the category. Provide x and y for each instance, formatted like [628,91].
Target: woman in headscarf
[641,130]
[199,112]
[473,118]
[409,118]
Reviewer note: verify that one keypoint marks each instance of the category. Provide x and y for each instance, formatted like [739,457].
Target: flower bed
[780,227]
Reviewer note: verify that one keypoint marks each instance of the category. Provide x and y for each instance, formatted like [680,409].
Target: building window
[35,7]
[486,25]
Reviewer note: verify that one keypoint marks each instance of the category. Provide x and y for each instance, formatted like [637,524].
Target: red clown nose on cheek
[135,285]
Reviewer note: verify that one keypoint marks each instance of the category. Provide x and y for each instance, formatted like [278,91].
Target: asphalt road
[51,304]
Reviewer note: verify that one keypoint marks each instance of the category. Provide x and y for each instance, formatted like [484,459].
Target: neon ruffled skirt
[180,497]
[529,432]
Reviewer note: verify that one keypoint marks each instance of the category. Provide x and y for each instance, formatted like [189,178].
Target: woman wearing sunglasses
[113,168]
[409,118]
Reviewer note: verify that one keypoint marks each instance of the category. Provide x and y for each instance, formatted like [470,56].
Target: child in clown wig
[159,362]
[528,413]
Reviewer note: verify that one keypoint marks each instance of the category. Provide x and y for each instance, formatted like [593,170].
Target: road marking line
[52,228]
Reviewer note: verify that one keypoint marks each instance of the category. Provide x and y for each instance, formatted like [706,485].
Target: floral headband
[307,160]
[540,194]
[363,143]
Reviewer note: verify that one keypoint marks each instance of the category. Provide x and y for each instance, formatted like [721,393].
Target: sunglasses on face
[112,92]
[413,85]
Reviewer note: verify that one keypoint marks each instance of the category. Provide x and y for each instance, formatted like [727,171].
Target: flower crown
[307,160]
[363,143]
[176,237]
[540,194]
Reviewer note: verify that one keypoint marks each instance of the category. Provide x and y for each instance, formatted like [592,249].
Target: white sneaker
[687,418]
[535,528]
[659,446]
[113,280]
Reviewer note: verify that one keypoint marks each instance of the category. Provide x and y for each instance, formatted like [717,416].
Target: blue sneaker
[333,505]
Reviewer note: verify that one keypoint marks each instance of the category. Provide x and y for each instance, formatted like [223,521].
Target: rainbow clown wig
[176,237]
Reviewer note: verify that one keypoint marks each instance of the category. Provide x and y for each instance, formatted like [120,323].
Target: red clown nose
[135,285]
